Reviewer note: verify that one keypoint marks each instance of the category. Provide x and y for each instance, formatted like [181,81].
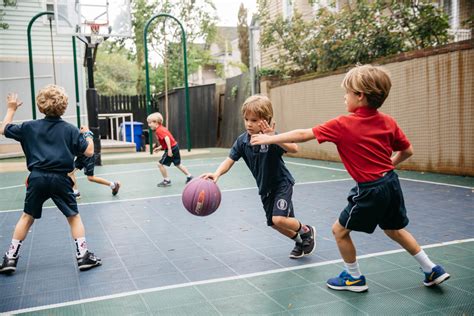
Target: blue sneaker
[436,276]
[346,282]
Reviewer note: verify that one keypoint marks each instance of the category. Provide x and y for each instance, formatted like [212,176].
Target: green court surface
[395,288]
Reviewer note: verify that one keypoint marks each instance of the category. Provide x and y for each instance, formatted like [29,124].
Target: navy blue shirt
[49,144]
[264,161]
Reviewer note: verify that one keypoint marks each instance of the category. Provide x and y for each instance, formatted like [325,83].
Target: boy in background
[50,145]
[274,181]
[365,140]
[171,149]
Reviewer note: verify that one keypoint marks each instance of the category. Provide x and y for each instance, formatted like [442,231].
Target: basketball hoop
[96,37]
[95,28]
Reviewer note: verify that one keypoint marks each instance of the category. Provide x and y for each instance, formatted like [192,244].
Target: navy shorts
[278,202]
[375,203]
[43,185]
[86,163]
[176,159]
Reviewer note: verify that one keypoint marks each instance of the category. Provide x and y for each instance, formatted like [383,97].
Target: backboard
[93,18]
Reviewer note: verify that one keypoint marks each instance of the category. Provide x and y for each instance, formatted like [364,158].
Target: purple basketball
[201,197]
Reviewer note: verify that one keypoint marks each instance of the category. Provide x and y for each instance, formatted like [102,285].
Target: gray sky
[228,10]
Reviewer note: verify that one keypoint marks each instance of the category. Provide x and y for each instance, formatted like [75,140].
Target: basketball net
[95,37]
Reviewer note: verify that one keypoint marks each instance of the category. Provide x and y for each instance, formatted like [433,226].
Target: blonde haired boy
[171,149]
[274,181]
[50,145]
[365,140]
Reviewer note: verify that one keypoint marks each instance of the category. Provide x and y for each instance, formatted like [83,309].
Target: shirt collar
[52,118]
[365,111]
[247,139]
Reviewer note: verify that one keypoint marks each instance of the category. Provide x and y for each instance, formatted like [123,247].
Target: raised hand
[266,128]
[260,139]
[13,102]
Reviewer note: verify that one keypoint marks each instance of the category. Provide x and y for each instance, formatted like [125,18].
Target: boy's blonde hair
[374,82]
[52,100]
[260,105]
[155,117]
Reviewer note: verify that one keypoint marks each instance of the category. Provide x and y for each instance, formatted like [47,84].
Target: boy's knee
[90,178]
[278,220]
[338,230]
[27,218]
[392,233]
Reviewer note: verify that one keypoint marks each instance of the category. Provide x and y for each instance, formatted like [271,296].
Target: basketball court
[159,259]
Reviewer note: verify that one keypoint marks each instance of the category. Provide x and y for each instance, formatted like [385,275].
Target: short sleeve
[82,143]
[328,132]
[400,141]
[14,131]
[235,151]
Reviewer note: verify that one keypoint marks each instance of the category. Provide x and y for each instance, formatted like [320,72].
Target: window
[287,7]
[48,5]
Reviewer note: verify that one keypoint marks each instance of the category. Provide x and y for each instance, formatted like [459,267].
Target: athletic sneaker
[8,265]
[88,261]
[116,188]
[189,179]
[346,282]
[309,241]
[297,252]
[77,195]
[164,183]
[436,276]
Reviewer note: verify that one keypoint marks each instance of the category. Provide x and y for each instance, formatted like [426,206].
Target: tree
[243,31]
[3,25]
[115,73]
[360,32]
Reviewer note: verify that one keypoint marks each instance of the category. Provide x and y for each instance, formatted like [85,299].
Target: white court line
[406,179]
[237,277]
[175,195]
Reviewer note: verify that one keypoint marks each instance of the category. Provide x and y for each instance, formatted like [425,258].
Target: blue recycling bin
[137,133]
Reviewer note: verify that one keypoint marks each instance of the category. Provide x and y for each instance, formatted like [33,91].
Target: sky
[228,10]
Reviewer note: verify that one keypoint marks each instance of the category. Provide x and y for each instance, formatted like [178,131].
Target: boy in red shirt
[365,140]
[169,145]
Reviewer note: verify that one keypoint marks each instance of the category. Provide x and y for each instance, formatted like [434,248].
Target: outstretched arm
[401,156]
[13,103]
[297,136]
[222,169]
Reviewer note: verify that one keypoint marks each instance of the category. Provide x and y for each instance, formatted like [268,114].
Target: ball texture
[201,197]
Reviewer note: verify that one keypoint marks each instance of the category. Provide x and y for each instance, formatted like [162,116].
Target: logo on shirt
[263,148]
[282,204]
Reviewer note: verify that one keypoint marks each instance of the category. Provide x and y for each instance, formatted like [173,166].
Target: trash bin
[137,133]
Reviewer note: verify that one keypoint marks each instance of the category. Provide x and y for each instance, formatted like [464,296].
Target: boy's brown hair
[374,82]
[52,100]
[260,105]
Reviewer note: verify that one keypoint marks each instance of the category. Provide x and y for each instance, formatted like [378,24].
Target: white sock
[353,269]
[14,249]
[189,176]
[76,191]
[167,179]
[81,246]
[112,185]
[426,264]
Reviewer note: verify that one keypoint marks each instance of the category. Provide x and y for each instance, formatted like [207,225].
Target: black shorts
[88,163]
[176,159]
[278,202]
[375,203]
[42,185]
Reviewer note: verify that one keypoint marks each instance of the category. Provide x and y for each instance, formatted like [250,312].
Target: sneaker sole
[89,266]
[314,238]
[8,270]
[356,289]
[438,280]
[296,257]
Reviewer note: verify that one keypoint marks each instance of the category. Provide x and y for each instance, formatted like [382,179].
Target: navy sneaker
[436,276]
[309,241]
[346,282]
[164,183]
[8,265]
[189,179]
[297,251]
[116,188]
[88,261]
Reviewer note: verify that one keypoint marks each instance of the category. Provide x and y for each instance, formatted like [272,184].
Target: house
[458,11]
[14,60]
[225,53]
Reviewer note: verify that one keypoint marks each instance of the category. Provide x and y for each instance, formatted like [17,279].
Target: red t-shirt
[161,132]
[365,141]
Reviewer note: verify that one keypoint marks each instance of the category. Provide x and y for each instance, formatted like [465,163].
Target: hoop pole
[30,60]
[147,76]
[76,86]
